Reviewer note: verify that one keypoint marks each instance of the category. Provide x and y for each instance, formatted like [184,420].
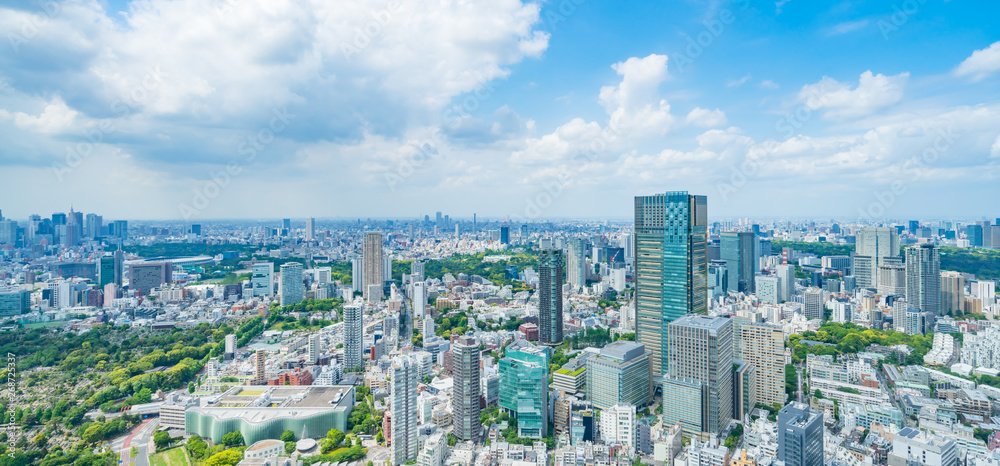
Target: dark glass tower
[550,305]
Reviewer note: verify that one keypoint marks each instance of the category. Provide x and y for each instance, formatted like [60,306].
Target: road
[140,437]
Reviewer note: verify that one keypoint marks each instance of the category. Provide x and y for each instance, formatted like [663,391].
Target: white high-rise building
[262,278]
[372,273]
[419,300]
[435,447]
[576,263]
[618,426]
[403,381]
[354,351]
[358,274]
[310,229]
[985,290]
[428,327]
[386,268]
[323,275]
[767,288]
[292,290]
[873,246]
[231,344]
[315,348]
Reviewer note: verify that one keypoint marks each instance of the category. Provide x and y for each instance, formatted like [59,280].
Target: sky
[207,109]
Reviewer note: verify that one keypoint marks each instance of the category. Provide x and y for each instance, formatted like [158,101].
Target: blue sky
[244,108]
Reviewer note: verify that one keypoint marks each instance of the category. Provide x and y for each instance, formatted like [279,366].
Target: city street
[140,437]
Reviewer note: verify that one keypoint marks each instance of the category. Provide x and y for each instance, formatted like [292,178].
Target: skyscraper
[620,373]
[292,289]
[310,229]
[230,348]
[800,435]
[262,278]
[974,233]
[354,351]
[504,234]
[671,266]
[923,278]
[524,388]
[738,250]
[550,297]
[764,349]
[403,405]
[952,292]
[372,266]
[419,300]
[812,303]
[576,263]
[119,267]
[467,389]
[107,270]
[874,245]
[701,351]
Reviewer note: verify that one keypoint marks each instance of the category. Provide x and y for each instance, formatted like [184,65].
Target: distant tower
[310,229]
[923,278]
[372,265]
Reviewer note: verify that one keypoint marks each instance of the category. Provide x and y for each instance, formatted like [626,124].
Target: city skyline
[569,111]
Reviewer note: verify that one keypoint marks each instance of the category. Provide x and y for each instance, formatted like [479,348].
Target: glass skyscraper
[701,351]
[550,297]
[671,266]
[524,388]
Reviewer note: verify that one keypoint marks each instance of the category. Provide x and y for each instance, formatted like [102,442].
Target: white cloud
[55,118]
[839,101]
[845,27]
[706,118]
[995,150]
[981,63]
[634,105]
[738,82]
[768,84]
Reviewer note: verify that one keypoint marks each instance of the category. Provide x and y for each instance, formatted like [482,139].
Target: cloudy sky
[260,109]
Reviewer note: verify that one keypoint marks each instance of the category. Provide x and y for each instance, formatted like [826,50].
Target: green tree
[161,439]
[288,436]
[225,458]
[335,436]
[232,439]
[289,447]
[191,387]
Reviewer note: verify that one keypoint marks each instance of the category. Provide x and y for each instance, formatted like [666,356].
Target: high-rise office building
[119,267]
[121,229]
[354,351]
[419,300]
[718,279]
[93,225]
[764,348]
[403,406]
[524,388]
[373,263]
[310,229]
[786,282]
[974,233]
[738,250]
[467,389]
[550,297]
[923,278]
[144,277]
[504,234]
[618,427]
[357,274]
[700,350]
[286,226]
[620,373]
[812,303]
[671,266]
[800,435]
[576,263]
[106,270]
[873,246]
[417,268]
[262,278]
[292,289]
[952,292]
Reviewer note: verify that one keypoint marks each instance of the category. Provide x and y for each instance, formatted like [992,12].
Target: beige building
[764,349]
[372,266]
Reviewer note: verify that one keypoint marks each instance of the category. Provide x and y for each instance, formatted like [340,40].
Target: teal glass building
[524,388]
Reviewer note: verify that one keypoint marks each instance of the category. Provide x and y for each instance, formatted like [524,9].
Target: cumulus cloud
[634,105]
[981,63]
[839,101]
[706,118]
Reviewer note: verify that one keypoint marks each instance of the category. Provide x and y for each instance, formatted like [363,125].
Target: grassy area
[574,373]
[170,457]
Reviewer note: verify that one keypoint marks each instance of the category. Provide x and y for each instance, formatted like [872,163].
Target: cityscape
[510,233]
